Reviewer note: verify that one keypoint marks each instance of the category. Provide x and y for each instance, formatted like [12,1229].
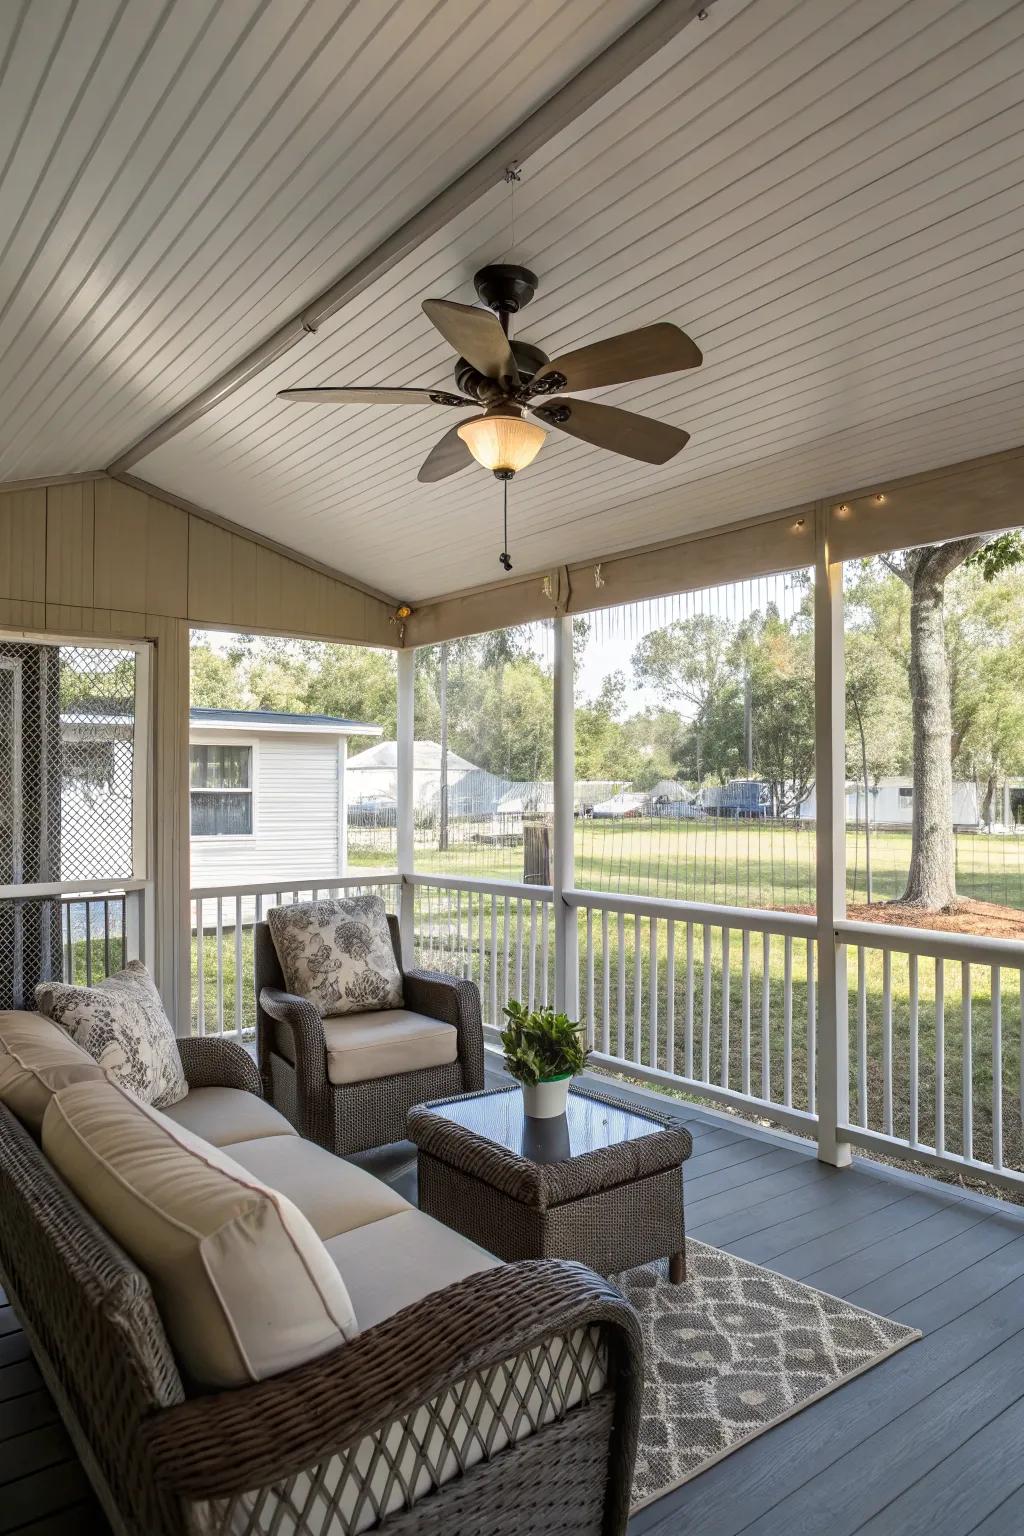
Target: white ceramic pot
[544,1100]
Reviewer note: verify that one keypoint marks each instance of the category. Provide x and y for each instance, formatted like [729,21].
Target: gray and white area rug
[733,1351]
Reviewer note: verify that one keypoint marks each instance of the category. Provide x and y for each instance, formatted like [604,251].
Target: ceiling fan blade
[605,426]
[338,396]
[641,354]
[476,335]
[447,457]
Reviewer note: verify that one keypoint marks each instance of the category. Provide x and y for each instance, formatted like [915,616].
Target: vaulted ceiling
[826,194]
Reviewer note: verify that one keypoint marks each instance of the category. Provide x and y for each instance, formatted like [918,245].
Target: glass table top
[588,1125]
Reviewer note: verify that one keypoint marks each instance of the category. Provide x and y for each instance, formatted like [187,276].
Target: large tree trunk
[931,882]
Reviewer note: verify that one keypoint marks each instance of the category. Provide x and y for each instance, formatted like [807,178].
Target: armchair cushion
[338,954]
[122,1024]
[244,1285]
[402,1259]
[386,1043]
[223,1116]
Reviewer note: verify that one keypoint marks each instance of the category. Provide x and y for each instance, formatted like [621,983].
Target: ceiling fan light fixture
[502,441]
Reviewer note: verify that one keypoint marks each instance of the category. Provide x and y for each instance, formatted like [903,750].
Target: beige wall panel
[979,496]
[105,623]
[23,545]
[141,551]
[20,615]
[69,543]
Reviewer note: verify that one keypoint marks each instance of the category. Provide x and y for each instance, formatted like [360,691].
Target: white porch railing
[721,1002]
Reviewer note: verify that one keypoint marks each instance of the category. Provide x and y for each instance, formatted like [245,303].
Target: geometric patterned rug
[733,1351]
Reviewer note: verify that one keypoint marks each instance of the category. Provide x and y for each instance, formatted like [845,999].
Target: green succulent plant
[540,1044]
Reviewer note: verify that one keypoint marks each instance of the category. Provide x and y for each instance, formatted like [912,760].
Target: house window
[220,780]
[906,797]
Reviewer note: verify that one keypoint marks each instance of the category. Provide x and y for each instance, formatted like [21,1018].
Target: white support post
[563,851]
[833,1095]
[404,797]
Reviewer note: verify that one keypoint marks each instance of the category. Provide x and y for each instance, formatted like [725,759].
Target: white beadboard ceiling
[826,194]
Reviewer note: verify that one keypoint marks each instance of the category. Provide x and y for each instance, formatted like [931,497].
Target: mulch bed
[987,918]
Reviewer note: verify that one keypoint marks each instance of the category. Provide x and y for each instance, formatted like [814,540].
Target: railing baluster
[940,1055]
[997,1067]
[887,1042]
[862,1035]
[590,979]
[812,1031]
[532,977]
[463,970]
[788,1020]
[670,997]
[220,965]
[912,1045]
[507,938]
[545,940]
[766,1004]
[688,1042]
[726,971]
[652,994]
[69,950]
[606,987]
[106,936]
[967,1018]
[88,942]
[200,956]
[745,1011]
[238,966]
[483,962]
[519,947]
[637,987]
[495,1015]
[620,1041]
[705,1019]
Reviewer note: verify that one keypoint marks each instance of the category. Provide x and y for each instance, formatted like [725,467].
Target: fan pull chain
[505,558]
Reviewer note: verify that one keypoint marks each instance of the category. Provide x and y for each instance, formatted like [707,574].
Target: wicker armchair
[503,1405]
[352,1117]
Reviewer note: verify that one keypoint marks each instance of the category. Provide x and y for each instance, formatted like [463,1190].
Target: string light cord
[505,558]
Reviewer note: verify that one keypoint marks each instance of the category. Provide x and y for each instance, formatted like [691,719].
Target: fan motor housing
[470,381]
[505,288]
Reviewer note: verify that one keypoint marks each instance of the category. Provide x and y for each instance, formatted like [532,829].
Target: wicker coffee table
[604,1185]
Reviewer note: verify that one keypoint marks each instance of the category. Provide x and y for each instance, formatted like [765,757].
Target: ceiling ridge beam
[632,48]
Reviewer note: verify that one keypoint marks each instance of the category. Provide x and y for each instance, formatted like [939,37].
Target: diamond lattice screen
[97,746]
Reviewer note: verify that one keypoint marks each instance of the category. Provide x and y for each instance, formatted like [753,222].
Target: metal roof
[272,719]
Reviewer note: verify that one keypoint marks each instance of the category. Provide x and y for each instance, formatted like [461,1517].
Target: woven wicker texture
[211,1062]
[352,1117]
[613,1206]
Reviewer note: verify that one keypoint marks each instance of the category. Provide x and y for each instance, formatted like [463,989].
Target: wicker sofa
[297,1054]
[502,1402]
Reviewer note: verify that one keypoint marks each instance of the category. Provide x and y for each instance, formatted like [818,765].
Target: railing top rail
[974,949]
[484,887]
[754,919]
[71,890]
[293,883]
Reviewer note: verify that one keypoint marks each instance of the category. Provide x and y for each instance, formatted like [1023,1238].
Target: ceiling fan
[505,377]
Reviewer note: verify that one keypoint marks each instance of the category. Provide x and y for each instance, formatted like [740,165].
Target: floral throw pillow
[122,1024]
[338,954]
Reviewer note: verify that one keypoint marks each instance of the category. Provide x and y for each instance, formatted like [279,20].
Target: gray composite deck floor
[931,1441]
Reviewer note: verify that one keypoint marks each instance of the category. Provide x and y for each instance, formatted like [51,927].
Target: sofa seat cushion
[381,1044]
[334,1196]
[223,1116]
[121,1022]
[394,1262]
[338,954]
[244,1286]
[37,1059]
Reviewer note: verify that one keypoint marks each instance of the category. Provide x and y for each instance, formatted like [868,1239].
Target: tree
[931,881]
[778,657]
[689,661]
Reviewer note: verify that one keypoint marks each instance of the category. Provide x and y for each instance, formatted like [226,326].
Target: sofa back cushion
[338,954]
[245,1287]
[37,1059]
[122,1024]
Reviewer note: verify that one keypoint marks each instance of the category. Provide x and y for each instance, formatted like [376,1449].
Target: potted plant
[544,1051]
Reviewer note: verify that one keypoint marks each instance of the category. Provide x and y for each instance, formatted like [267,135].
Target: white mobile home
[891,803]
[373,773]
